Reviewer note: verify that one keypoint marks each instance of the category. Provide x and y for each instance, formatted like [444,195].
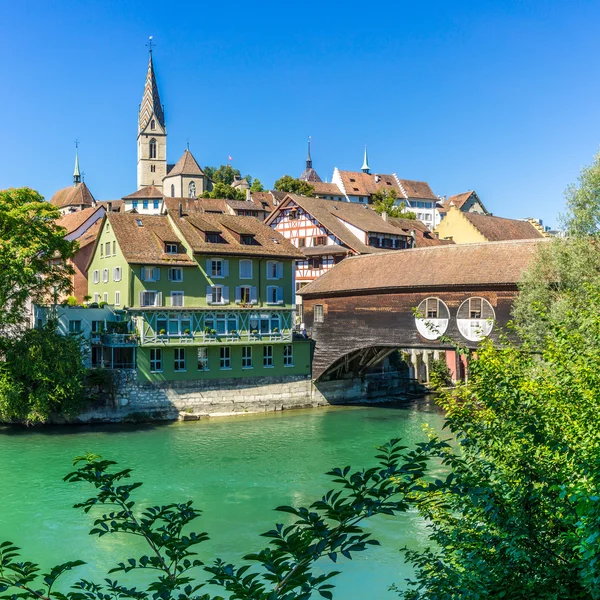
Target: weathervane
[76,143]
[150,43]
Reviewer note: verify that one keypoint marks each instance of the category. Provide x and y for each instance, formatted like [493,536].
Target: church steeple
[76,173]
[365,168]
[308,158]
[152,133]
[309,173]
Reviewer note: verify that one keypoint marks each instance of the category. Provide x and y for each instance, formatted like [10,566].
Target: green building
[204,296]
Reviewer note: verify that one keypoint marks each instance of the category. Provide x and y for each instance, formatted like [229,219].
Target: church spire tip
[365,168]
[308,158]
[76,173]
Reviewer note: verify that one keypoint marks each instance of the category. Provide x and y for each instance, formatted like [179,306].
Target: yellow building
[471,228]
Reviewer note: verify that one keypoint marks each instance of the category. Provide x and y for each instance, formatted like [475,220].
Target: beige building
[471,228]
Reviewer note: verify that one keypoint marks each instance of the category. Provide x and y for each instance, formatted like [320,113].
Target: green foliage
[519,514]
[386,201]
[29,238]
[43,373]
[329,528]
[440,376]
[294,186]
[558,281]
[257,186]
[223,190]
[225,174]
[71,301]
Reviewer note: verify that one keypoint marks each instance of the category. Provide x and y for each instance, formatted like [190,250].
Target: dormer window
[171,248]
[139,222]
[192,189]
[247,240]
[214,238]
[153,124]
[352,180]
[152,148]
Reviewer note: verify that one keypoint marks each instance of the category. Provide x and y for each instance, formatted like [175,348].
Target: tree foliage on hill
[33,254]
[294,186]
[222,190]
[284,570]
[386,201]
[42,374]
[225,174]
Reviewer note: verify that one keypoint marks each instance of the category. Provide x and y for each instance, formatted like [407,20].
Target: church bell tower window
[192,189]
[152,148]
[172,191]
[153,124]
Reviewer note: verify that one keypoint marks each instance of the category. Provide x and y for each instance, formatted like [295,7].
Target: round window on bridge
[432,319]
[475,319]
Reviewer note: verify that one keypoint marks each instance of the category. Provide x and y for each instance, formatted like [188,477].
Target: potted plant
[162,332]
[213,332]
[275,329]
[186,332]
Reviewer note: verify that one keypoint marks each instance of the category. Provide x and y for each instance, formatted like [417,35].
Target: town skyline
[222,92]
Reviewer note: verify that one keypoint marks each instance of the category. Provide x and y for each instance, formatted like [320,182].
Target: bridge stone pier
[424,302]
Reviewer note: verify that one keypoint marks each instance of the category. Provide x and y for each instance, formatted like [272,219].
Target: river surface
[235,469]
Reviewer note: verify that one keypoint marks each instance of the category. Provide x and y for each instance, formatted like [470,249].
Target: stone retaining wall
[190,400]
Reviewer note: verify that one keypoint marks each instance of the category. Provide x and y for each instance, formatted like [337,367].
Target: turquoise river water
[236,470]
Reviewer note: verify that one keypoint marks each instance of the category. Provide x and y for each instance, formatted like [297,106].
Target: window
[152,170]
[179,359]
[117,274]
[101,250]
[320,240]
[155,204]
[216,268]
[74,326]
[248,240]
[475,318]
[432,318]
[150,298]
[105,275]
[145,204]
[155,360]
[475,308]
[97,326]
[274,294]
[175,274]
[117,298]
[432,308]
[245,294]
[214,238]
[246,357]
[288,355]
[138,221]
[171,248]
[225,362]
[114,248]
[319,313]
[172,191]
[96,297]
[150,273]
[216,294]
[267,356]
[105,297]
[153,124]
[192,189]
[134,205]
[202,359]
[152,148]
[176,298]
[316,262]
[245,269]
[274,269]
[96,276]
[302,242]
[107,251]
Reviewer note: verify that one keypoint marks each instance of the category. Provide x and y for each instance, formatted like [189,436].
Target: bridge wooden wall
[356,321]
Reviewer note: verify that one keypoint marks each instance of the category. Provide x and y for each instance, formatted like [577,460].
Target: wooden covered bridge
[414,300]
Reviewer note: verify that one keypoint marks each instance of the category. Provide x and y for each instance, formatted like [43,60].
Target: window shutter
[280,294]
[156,272]
[225,268]
[209,267]
[279,270]
[238,293]
[253,298]
[159,299]
[141,298]
[225,294]
[208,294]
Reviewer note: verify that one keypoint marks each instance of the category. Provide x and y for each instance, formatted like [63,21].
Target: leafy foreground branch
[283,570]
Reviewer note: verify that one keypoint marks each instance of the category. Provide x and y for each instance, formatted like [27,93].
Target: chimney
[109,206]
[180,210]
[384,215]
[413,235]
[248,194]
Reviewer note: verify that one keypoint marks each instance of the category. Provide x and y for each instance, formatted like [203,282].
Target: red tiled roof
[186,165]
[423,236]
[148,192]
[74,195]
[495,229]
[73,221]
[496,263]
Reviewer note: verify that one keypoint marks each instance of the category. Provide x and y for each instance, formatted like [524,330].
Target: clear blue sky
[497,96]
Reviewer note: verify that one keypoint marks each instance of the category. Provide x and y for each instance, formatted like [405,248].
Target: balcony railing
[217,338]
[120,339]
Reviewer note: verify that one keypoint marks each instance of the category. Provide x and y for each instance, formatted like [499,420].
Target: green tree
[222,190]
[42,374]
[386,201]
[519,515]
[225,174]
[33,254]
[564,266]
[294,186]
[329,528]
[257,186]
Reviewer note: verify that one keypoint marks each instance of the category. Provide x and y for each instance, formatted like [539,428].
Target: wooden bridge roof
[490,263]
